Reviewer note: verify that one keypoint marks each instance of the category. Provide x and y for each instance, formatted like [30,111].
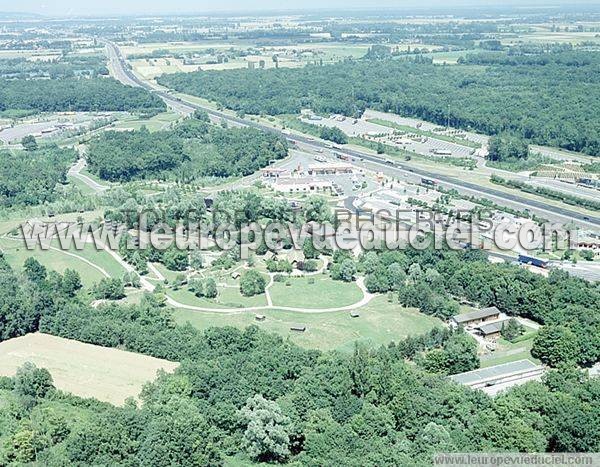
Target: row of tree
[74,94]
[537,101]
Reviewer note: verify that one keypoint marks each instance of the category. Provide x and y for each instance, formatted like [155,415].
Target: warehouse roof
[495,372]
[477,314]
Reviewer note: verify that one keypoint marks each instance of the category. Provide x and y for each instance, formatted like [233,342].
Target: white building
[329,168]
[302,185]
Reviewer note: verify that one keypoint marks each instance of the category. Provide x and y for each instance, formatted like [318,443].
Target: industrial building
[493,379]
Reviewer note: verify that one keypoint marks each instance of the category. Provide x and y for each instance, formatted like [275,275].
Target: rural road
[75,171]
[124,74]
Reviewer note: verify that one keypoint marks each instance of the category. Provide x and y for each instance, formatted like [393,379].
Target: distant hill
[9,15]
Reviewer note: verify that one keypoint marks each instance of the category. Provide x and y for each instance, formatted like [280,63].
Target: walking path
[75,171]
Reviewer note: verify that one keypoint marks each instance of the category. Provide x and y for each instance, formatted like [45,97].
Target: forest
[193,149]
[255,397]
[73,94]
[28,178]
[546,101]
[67,67]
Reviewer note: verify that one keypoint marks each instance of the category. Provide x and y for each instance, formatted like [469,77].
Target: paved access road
[396,169]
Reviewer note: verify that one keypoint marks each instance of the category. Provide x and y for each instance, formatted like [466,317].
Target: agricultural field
[116,376]
[167,58]
[379,323]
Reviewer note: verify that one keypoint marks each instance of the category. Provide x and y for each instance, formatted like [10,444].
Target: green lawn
[379,323]
[16,254]
[158,122]
[509,352]
[102,259]
[323,293]
[228,297]
[83,187]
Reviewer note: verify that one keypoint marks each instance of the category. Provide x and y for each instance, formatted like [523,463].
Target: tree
[316,209]
[461,353]
[71,282]
[504,148]
[267,435]
[29,143]
[178,435]
[196,286]
[32,383]
[587,255]
[396,275]
[310,265]
[554,345]
[34,270]
[210,288]
[252,283]
[109,288]
[175,259]
[333,134]
[196,260]
[511,330]
[347,270]
[309,250]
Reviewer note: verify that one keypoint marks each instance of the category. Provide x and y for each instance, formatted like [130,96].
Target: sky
[154,7]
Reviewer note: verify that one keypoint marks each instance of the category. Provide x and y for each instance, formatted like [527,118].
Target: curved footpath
[148,286]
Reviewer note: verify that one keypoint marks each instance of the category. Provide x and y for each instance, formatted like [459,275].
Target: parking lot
[344,184]
[427,146]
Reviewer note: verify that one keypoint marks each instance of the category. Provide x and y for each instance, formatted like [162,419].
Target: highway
[395,169]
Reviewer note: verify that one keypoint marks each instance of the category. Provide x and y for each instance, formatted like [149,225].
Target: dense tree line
[192,150]
[67,67]
[253,396]
[73,94]
[541,102]
[29,178]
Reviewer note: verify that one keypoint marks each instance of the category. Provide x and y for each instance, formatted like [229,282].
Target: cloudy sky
[114,7]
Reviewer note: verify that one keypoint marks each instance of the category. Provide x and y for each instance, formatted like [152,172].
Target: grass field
[229,297]
[322,293]
[158,122]
[16,254]
[379,323]
[86,370]
[510,352]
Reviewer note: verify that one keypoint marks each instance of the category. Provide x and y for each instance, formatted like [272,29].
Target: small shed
[269,255]
[354,314]
[235,275]
[298,327]
[260,317]
[492,331]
